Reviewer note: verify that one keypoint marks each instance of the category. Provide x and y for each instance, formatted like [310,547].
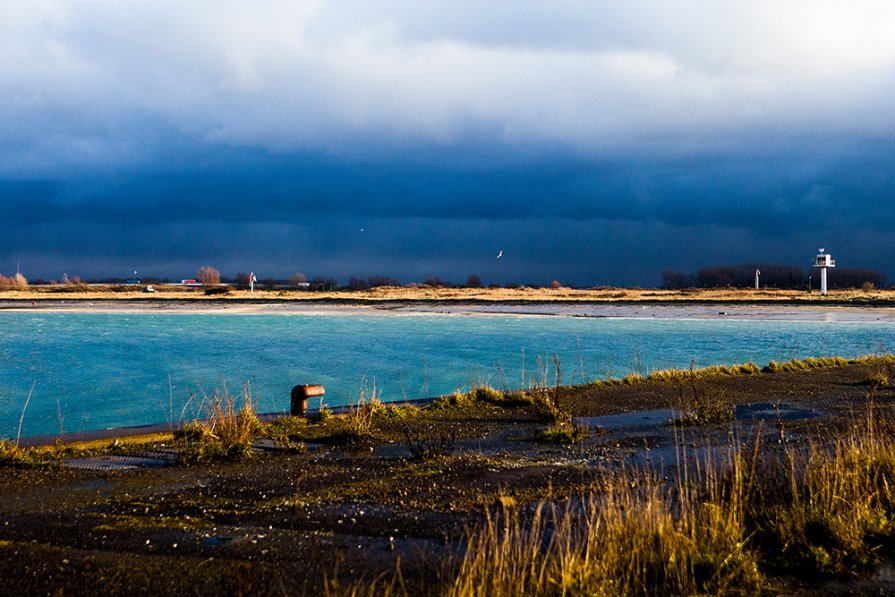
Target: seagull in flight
[500,254]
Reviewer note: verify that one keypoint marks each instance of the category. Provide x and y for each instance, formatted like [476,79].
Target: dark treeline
[772,276]
[355,283]
[854,277]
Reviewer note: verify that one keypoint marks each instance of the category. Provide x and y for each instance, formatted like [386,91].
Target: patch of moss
[563,434]
[450,401]
[130,523]
[348,438]
[400,411]
[323,414]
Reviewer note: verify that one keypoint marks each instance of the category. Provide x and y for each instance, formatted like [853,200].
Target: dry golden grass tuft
[740,514]
[223,430]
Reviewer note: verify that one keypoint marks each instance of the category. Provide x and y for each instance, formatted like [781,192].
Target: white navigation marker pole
[757,274]
[823,261]
[252,282]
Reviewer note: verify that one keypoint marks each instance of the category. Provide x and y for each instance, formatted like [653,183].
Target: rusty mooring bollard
[300,395]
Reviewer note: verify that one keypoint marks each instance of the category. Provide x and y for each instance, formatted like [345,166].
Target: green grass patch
[450,402]
[705,406]
[563,434]
[287,433]
[400,411]
[489,395]
[323,414]
[479,395]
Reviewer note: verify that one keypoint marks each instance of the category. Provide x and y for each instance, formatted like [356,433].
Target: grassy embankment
[225,429]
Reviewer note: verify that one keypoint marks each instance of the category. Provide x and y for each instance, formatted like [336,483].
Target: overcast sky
[591,142]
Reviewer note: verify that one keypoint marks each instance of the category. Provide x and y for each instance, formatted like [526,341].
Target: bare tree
[72,281]
[208,276]
[16,282]
[473,281]
[435,282]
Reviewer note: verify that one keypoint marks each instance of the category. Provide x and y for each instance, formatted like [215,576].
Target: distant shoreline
[748,308]
[389,295]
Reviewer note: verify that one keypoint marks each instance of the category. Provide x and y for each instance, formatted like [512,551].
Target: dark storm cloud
[142,129]
[771,191]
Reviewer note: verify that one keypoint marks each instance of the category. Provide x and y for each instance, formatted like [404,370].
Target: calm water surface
[97,370]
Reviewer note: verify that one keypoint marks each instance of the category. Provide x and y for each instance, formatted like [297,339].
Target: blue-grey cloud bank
[591,143]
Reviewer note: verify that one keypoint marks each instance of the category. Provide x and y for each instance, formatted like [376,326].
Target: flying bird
[500,254]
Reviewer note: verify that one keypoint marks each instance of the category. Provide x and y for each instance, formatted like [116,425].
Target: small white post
[252,282]
[757,274]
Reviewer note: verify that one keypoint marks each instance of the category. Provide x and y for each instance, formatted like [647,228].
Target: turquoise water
[100,370]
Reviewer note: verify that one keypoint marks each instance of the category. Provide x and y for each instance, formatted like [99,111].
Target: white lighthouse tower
[823,261]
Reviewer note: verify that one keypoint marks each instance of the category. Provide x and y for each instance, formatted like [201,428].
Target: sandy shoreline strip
[619,309]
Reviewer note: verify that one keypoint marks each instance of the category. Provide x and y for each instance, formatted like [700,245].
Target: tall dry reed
[224,430]
[825,508]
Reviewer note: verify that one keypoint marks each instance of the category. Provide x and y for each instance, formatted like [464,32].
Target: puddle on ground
[759,411]
[644,418]
[773,411]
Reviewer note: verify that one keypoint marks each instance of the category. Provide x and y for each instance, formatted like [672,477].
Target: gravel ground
[287,523]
